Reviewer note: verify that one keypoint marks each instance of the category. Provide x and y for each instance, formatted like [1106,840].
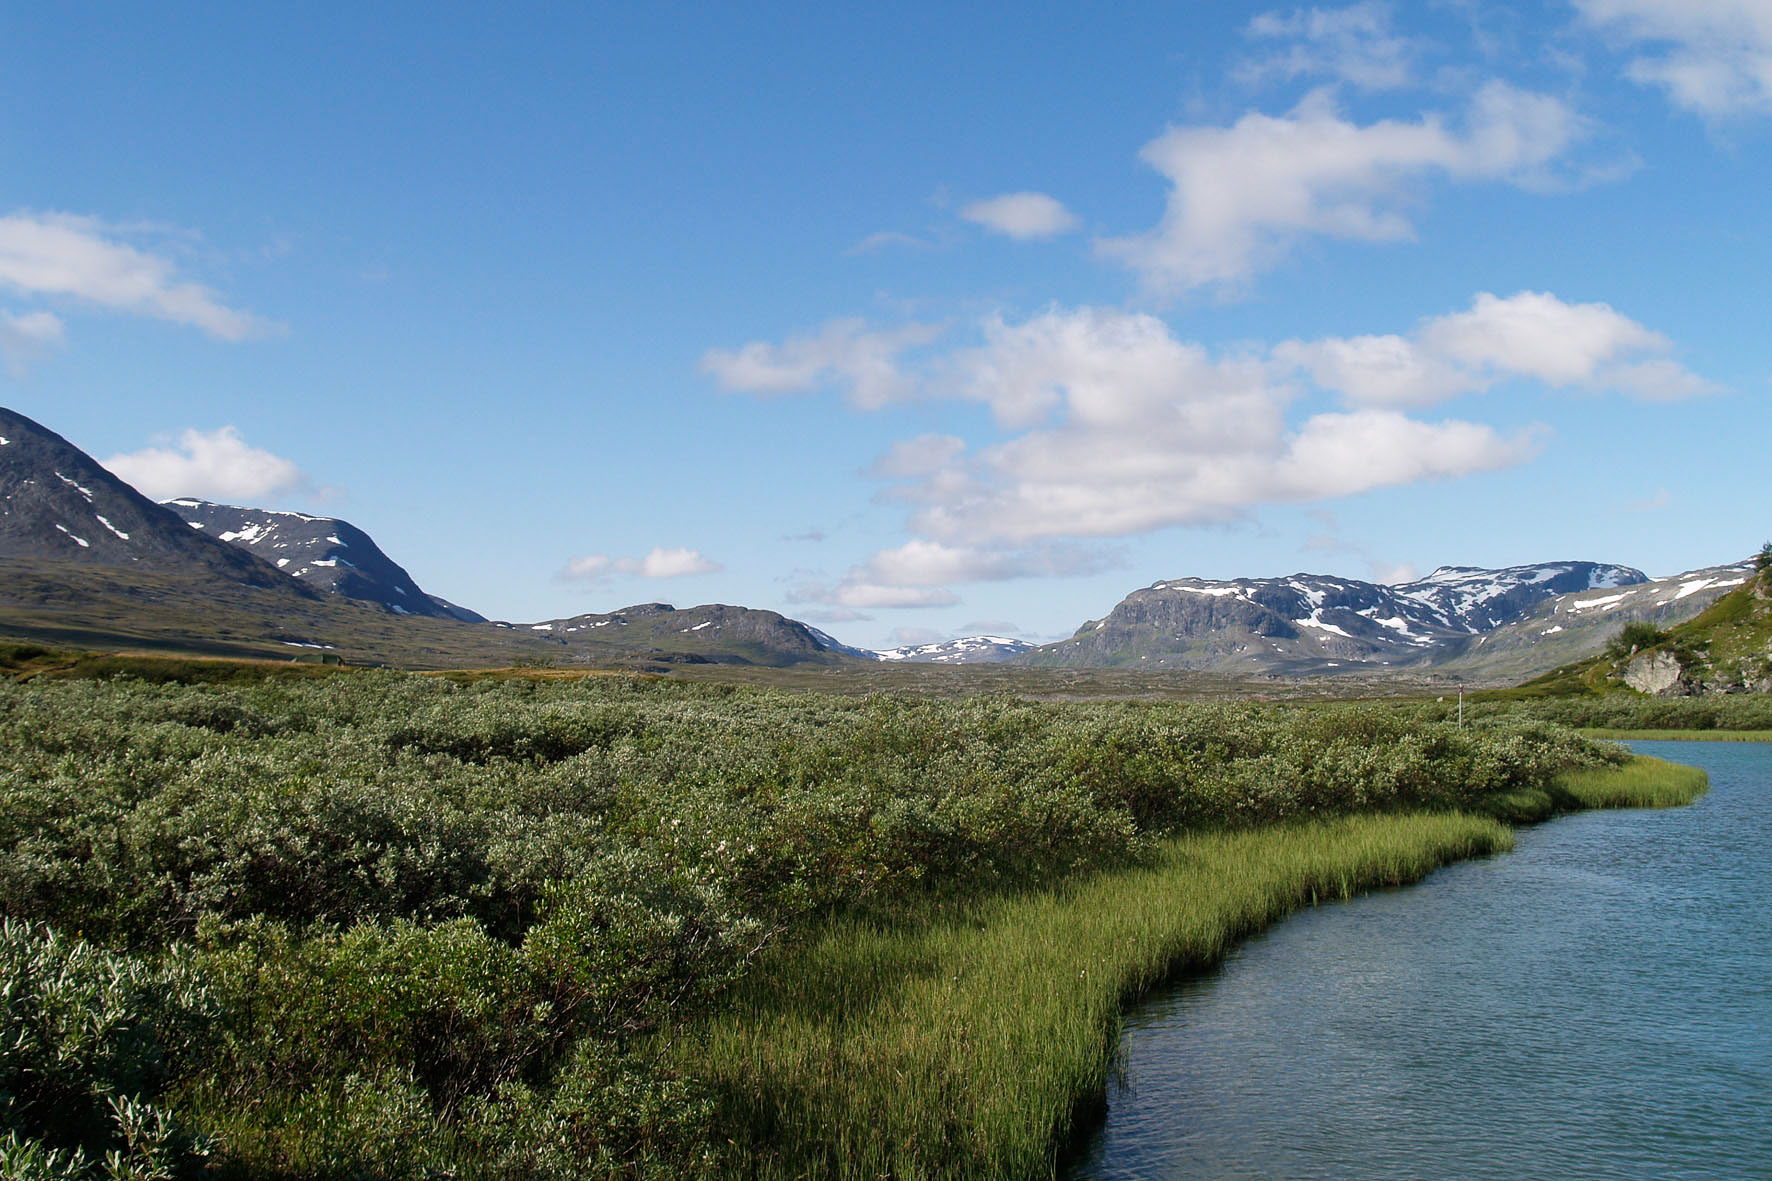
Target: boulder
[1656,672]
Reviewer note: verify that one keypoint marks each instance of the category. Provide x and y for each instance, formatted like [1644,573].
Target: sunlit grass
[1641,783]
[1681,735]
[969,1045]
[964,1047]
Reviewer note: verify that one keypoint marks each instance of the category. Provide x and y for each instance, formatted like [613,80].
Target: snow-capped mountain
[325,552]
[1480,600]
[58,504]
[1311,622]
[1573,626]
[968,650]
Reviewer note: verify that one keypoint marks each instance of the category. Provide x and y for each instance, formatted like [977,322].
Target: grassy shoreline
[970,1046]
[1678,735]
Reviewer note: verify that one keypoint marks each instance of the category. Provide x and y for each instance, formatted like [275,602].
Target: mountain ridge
[326,552]
[59,504]
[1311,624]
[962,650]
[89,558]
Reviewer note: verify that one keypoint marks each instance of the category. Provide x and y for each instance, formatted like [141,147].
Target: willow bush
[442,926]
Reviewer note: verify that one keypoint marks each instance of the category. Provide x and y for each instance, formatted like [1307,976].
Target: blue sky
[909,323]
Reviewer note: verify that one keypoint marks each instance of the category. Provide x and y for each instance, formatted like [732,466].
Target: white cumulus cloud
[216,465]
[841,352]
[1022,216]
[676,562]
[1713,57]
[1109,426]
[1242,196]
[1124,429]
[1532,334]
[59,255]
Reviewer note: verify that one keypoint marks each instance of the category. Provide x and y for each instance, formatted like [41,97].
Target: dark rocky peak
[58,503]
[329,554]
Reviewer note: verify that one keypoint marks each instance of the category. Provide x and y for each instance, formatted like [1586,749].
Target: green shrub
[1634,637]
[446,925]
[87,1041]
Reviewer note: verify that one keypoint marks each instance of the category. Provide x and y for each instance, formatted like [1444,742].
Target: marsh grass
[967,1046]
[1643,782]
[1680,735]
[972,1045]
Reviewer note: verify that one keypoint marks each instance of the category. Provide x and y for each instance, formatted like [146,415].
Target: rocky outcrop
[1656,672]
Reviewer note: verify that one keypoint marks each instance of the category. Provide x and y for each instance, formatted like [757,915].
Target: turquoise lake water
[1595,1004]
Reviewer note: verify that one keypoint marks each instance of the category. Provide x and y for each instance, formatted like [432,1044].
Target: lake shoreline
[1676,735]
[1431,1033]
[983,1042]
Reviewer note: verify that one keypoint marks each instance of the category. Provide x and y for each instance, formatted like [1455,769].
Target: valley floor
[336,923]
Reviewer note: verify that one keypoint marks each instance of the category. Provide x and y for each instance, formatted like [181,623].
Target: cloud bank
[1242,197]
[1713,58]
[60,255]
[1114,427]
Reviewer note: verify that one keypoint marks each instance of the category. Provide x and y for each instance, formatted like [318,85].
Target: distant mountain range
[969,650]
[1456,619]
[89,560]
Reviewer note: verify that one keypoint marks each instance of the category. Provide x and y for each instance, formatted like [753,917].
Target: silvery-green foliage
[437,914]
[88,1040]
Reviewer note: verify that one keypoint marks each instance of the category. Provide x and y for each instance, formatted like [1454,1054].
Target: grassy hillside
[1727,648]
[98,607]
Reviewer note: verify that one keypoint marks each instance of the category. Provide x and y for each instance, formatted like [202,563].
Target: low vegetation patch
[1627,714]
[537,927]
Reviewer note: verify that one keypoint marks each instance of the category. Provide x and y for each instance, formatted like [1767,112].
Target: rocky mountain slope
[1726,648]
[1575,626]
[714,633]
[86,560]
[1308,623]
[324,552]
[58,505]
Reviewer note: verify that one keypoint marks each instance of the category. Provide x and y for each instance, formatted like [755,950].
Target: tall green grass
[1681,735]
[968,1046]
[1643,782]
[964,1047]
